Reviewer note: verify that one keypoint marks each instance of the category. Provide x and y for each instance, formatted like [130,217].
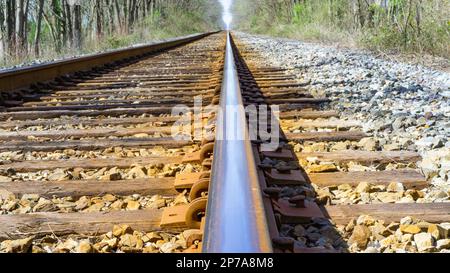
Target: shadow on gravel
[299,234]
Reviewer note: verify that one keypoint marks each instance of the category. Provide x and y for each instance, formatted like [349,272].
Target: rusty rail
[235,216]
[22,77]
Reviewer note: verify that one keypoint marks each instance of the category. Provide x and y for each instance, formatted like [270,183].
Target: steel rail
[235,216]
[15,78]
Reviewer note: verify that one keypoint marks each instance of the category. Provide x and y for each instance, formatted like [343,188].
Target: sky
[227,17]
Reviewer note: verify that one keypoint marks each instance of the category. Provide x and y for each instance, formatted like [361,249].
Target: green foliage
[404,25]
[397,4]
[166,19]
[298,12]
[164,24]
[114,42]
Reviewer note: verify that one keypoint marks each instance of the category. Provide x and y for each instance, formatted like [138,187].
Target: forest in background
[417,26]
[48,29]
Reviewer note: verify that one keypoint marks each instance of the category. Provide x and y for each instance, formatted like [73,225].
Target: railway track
[326,167]
[91,153]
[88,162]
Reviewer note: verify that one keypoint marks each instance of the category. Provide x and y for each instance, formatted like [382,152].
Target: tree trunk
[55,24]
[131,17]
[152,9]
[144,9]
[77,27]
[418,16]
[20,29]
[406,23]
[112,22]
[64,23]
[38,29]
[11,27]
[69,23]
[25,27]
[360,14]
[90,28]
[116,4]
[2,29]
[125,15]
[98,17]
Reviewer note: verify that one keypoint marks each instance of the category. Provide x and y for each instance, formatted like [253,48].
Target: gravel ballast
[402,107]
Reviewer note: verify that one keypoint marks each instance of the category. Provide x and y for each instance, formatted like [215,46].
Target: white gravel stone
[424,241]
[404,106]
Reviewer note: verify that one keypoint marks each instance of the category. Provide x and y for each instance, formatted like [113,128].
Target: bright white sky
[227,17]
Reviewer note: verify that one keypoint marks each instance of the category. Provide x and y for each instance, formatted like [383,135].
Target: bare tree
[2,29]
[64,26]
[38,28]
[69,24]
[98,17]
[11,26]
[77,26]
